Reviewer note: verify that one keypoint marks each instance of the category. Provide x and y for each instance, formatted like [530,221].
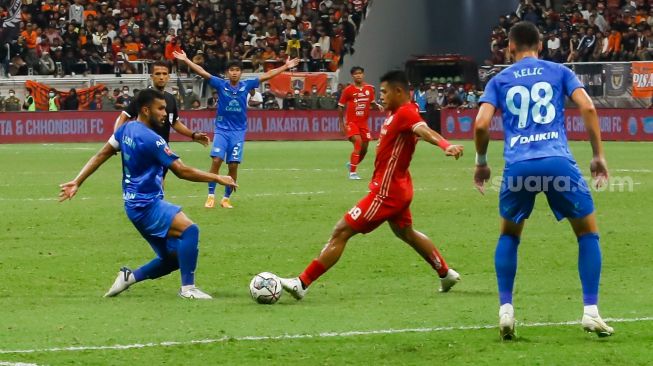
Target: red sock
[353,161]
[437,262]
[312,272]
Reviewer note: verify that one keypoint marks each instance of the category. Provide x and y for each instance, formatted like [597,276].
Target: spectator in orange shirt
[132,49]
[613,51]
[90,10]
[30,36]
[171,47]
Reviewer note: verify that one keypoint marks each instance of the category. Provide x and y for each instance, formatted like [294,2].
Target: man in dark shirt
[160,76]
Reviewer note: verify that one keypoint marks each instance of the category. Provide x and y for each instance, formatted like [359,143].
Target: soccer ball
[265,288]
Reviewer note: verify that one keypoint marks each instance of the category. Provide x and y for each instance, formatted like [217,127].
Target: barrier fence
[87,126]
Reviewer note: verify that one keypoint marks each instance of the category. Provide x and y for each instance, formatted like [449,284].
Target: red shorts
[372,211]
[358,129]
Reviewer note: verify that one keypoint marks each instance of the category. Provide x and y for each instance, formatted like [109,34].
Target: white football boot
[124,279]
[594,324]
[194,293]
[449,281]
[507,322]
[294,287]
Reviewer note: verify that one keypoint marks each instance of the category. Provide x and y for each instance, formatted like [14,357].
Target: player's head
[524,37]
[394,89]
[160,74]
[234,70]
[357,74]
[151,106]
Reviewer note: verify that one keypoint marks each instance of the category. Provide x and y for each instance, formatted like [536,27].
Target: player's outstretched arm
[199,137]
[121,120]
[189,173]
[274,72]
[435,138]
[199,70]
[598,166]
[69,189]
[481,140]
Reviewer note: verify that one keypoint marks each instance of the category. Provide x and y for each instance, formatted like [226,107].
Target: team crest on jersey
[367,92]
[167,150]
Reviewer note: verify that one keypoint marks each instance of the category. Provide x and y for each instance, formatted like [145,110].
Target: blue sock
[505,265]
[212,187]
[156,268]
[227,191]
[187,252]
[589,267]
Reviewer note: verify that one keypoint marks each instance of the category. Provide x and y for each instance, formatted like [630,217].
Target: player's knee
[192,231]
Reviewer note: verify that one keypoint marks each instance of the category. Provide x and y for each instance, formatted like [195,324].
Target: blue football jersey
[531,96]
[232,103]
[144,157]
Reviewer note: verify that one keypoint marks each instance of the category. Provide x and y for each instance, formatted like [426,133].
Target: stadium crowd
[582,30]
[116,36]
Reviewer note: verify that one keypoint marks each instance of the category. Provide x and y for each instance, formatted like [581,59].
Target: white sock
[186,287]
[506,309]
[591,310]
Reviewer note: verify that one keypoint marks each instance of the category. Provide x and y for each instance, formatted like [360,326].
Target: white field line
[5,363]
[353,333]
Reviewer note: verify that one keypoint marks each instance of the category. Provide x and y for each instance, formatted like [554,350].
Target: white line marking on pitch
[5,363]
[353,333]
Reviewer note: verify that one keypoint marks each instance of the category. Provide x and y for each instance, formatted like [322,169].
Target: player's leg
[569,197]
[184,235]
[328,257]
[402,227]
[515,205]
[234,157]
[365,141]
[218,155]
[354,136]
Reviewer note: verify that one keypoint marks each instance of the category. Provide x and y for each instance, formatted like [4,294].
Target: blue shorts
[228,145]
[559,178]
[153,220]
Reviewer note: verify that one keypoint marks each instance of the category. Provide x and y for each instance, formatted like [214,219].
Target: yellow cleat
[210,201]
[225,203]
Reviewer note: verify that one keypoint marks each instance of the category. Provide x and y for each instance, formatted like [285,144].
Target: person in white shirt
[174,22]
[254,99]
[76,12]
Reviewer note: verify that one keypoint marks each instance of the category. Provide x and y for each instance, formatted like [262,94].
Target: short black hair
[160,63]
[234,63]
[396,78]
[355,69]
[525,35]
[145,97]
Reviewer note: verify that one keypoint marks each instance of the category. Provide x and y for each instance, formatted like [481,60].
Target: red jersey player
[391,190]
[357,98]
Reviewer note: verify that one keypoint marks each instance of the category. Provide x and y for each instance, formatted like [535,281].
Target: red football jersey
[357,102]
[394,152]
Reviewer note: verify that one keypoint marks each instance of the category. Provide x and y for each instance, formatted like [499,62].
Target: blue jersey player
[531,95]
[231,118]
[171,234]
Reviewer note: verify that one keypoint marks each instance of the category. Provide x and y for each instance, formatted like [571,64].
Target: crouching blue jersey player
[171,234]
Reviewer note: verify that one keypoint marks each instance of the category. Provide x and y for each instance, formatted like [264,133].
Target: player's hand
[454,150]
[228,181]
[202,138]
[380,108]
[68,190]
[343,129]
[481,175]
[290,64]
[599,169]
[181,55]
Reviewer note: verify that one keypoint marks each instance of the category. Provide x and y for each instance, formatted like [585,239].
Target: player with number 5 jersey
[531,95]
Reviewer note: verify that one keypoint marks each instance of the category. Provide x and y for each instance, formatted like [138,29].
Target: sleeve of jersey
[253,83]
[215,82]
[490,94]
[163,153]
[343,97]
[570,81]
[410,119]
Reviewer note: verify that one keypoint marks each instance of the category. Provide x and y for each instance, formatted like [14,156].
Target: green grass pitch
[379,305]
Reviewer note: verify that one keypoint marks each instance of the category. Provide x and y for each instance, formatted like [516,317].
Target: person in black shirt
[160,76]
